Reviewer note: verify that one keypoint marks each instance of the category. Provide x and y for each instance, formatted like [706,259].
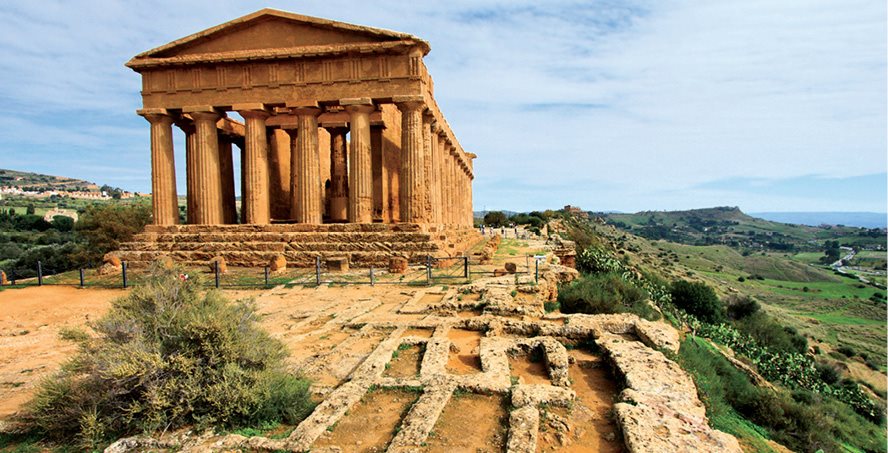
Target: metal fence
[424,271]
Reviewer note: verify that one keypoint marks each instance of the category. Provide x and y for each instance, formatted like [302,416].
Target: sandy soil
[30,348]
[470,422]
[529,371]
[592,429]
[370,424]
[464,354]
[406,363]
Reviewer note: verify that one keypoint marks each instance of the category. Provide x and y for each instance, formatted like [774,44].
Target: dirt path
[30,348]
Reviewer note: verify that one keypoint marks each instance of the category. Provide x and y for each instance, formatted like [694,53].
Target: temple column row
[433,185]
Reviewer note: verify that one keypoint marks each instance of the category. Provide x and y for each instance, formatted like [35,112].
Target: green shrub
[697,299]
[739,307]
[770,333]
[167,356]
[847,351]
[104,227]
[828,373]
[605,293]
[802,422]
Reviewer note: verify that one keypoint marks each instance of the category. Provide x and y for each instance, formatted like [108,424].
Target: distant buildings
[577,211]
[88,195]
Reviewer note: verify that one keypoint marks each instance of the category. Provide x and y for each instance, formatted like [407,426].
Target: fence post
[428,269]
[527,262]
[12,277]
[318,270]
[266,276]
[81,278]
[466,267]
[372,281]
[39,273]
[123,268]
[536,270]
[216,271]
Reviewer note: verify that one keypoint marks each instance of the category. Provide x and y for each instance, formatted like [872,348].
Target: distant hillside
[731,226]
[481,214]
[35,182]
[854,219]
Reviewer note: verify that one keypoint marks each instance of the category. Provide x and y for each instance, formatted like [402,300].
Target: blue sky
[609,105]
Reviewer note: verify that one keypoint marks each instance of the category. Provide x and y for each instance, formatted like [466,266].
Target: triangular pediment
[273,29]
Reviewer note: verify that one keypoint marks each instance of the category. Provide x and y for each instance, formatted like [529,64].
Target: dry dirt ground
[30,321]
[476,367]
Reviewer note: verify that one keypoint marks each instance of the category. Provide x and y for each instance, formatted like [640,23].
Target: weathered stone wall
[364,245]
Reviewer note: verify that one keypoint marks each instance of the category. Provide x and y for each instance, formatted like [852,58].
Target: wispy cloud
[611,104]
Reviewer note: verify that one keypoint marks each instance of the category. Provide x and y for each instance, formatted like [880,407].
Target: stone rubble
[658,408]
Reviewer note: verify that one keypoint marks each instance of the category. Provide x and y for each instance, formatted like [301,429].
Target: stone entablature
[341,125]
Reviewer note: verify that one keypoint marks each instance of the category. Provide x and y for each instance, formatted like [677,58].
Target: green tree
[62,223]
[103,227]
[698,299]
[495,219]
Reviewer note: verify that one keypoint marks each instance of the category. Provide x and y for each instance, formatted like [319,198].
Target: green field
[834,310]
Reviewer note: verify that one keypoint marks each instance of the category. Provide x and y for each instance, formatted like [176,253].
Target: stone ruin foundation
[657,408]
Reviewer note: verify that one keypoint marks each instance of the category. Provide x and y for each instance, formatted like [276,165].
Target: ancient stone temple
[343,150]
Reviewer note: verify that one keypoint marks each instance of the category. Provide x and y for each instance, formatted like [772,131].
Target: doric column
[412,177]
[471,203]
[467,196]
[187,127]
[255,200]
[164,201]
[435,190]
[338,173]
[305,200]
[454,186]
[441,159]
[428,180]
[445,180]
[226,171]
[207,177]
[360,175]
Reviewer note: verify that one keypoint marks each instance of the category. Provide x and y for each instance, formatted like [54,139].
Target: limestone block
[500,272]
[524,424]
[108,269]
[166,262]
[277,264]
[397,265]
[3,280]
[223,267]
[338,264]
[112,259]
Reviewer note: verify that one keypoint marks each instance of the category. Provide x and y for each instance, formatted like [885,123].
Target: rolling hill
[36,182]
[732,227]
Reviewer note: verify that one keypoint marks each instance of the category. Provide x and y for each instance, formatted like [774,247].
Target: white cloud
[620,103]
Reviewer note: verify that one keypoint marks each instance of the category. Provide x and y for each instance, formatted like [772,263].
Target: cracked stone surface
[346,346]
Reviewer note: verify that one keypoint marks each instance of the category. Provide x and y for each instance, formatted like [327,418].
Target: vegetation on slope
[62,245]
[814,409]
[164,357]
[730,226]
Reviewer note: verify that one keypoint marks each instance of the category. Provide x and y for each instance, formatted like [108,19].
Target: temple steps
[364,245]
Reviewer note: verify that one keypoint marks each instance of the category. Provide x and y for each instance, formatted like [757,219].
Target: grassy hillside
[841,322]
[730,226]
[833,311]
[37,182]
